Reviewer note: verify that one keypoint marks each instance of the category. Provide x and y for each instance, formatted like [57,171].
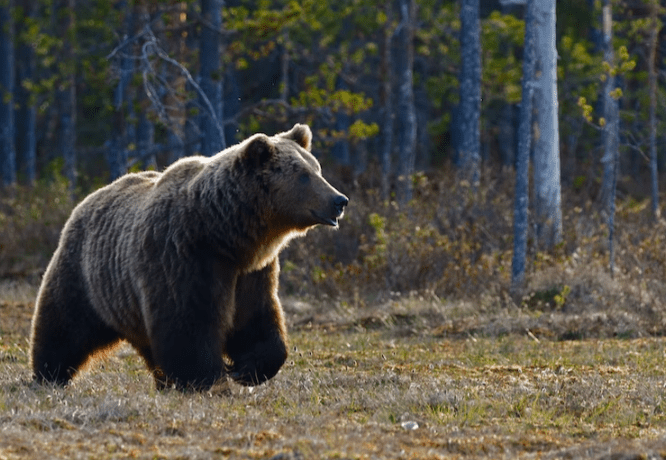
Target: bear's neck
[231,219]
[268,248]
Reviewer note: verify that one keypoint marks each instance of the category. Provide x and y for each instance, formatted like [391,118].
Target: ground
[415,378]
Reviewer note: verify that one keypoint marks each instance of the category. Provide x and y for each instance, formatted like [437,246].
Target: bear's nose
[340,202]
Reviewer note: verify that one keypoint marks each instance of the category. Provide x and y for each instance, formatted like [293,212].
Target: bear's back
[180,173]
[121,196]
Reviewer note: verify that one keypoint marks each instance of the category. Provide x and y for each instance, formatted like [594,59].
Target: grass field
[414,379]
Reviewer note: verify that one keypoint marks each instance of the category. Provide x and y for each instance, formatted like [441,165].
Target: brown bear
[184,265]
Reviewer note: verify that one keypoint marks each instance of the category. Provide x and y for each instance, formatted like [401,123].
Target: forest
[397,93]
[497,286]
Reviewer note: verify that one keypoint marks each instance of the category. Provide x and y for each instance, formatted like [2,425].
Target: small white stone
[410,425]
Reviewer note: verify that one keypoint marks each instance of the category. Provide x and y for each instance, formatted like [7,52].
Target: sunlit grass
[351,392]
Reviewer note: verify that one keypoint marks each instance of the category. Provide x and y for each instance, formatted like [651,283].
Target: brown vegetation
[455,246]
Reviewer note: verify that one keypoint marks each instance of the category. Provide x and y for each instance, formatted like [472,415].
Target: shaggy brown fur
[184,265]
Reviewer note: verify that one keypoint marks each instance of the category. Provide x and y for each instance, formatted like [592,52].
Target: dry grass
[402,319]
[378,383]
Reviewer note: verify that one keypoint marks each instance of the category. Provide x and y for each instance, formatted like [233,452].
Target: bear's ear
[259,150]
[300,134]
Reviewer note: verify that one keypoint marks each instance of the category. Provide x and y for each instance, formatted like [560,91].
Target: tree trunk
[117,154]
[547,194]
[520,215]
[611,116]
[470,91]
[7,148]
[26,139]
[652,122]
[406,111]
[611,158]
[211,77]
[386,101]
[66,93]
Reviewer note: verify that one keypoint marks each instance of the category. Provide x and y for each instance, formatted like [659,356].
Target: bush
[447,240]
[456,244]
[30,222]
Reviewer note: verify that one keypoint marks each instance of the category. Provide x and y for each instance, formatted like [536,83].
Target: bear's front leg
[188,323]
[187,354]
[257,345]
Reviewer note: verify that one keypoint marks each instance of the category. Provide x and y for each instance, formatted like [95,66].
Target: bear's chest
[268,250]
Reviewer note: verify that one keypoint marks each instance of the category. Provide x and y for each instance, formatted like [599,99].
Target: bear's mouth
[333,222]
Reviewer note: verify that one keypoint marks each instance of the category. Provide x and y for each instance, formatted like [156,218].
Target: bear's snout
[332,209]
[340,202]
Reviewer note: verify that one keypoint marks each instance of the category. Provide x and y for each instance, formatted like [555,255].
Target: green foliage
[587,109]
[553,298]
[315,35]
[338,101]
[502,35]
[574,18]
[583,62]
[578,73]
[332,50]
[630,41]
[437,40]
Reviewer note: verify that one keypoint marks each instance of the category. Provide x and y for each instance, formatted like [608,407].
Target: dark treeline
[92,89]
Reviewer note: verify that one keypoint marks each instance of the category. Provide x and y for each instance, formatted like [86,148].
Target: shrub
[449,241]
[30,222]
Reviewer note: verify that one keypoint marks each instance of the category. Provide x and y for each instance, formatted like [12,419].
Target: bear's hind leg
[66,332]
[257,345]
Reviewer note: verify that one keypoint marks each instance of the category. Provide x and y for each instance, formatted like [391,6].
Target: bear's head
[298,194]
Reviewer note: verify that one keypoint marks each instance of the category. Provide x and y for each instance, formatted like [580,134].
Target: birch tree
[611,119]
[548,210]
[7,149]
[611,133]
[520,215]
[470,90]
[655,26]
[406,114]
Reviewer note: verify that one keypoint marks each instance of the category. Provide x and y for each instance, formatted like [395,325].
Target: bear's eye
[304,178]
